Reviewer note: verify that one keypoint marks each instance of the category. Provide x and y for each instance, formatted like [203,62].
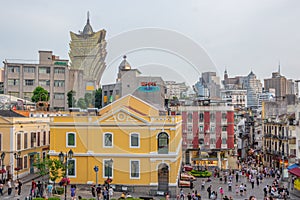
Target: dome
[124,65]
[87,28]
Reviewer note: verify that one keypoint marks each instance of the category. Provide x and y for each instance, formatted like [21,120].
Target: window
[212,129]
[108,168]
[224,140]
[19,140]
[224,116]
[33,138]
[212,140]
[38,139]
[25,162]
[44,82]
[134,169]
[108,140]
[44,138]
[58,70]
[25,140]
[72,168]
[44,155]
[13,69]
[44,70]
[71,140]
[29,69]
[201,117]
[224,128]
[190,117]
[190,129]
[200,128]
[28,82]
[59,83]
[212,116]
[163,143]
[59,96]
[134,140]
[20,163]
[13,82]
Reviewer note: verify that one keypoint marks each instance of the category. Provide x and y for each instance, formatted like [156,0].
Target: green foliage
[39,94]
[59,190]
[56,169]
[81,103]
[71,99]
[53,198]
[39,198]
[202,174]
[89,99]
[98,98]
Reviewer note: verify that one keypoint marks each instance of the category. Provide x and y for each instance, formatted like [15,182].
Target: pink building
[208,127]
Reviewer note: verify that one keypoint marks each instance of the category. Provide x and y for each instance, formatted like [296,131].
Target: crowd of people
[248,175]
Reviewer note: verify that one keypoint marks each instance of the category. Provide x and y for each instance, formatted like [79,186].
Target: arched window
[71,139]
[163,143]
[108,140]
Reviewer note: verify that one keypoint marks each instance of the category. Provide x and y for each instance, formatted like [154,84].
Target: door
[163,177]
[31,161]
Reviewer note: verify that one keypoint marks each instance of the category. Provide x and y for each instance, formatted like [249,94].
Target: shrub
[202,174]
[58,190]
[39,198]
[53,198]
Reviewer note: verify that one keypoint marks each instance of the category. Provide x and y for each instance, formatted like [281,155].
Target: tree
[40,94]
[81,103]
[98,98]
[71,99]
[89,99]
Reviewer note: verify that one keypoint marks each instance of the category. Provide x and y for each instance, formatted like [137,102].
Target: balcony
[268,135]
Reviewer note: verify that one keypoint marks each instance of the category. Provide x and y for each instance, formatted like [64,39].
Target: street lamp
[65,157]
[282,167]
[17,157]
[109,170]
[2,162]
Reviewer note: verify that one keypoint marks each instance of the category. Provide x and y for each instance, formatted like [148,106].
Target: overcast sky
[238,35]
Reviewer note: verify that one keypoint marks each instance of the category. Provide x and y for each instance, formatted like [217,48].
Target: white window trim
[139,141]
[112,140]
[103,170]
[74,139]
[24,160]
[139,170]
[28,145]
[75,164]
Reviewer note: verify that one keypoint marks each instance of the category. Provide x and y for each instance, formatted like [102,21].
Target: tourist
[209,191]
[9,187]
[73,192]
[49,189]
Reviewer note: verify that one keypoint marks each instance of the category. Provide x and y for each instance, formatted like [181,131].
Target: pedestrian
[110,192]
[181,194]
[221,192]
[33,188]
[49,189]
[209,191]
[241,189]
[226,198]
[237,176]
[39,189]
[189,196]
[213,195]
[19,187]
[245,189]
[229,185]
[98,190]
[93,190]
[252,182]
[257,180]
[73,192]
[9,187]
[16,184]
[236,189]
[203,185]
[167,196]
[1,188]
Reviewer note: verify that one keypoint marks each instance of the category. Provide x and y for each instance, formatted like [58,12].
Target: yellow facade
[139,141]
[27,137]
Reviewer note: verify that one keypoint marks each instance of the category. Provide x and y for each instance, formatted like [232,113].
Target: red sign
[148,83]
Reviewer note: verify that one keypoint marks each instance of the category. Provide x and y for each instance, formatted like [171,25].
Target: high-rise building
[281,84]
[51,73]
[254,87]
[177,90]
[208,86]
[87,59]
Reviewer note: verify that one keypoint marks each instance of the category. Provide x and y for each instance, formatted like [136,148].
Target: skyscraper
[87,59]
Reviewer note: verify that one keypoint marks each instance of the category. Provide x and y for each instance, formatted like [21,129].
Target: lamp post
[2,163]
[109,170]
[282,170]
[64,158]
[17,157]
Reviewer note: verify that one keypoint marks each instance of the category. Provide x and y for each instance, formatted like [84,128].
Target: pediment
[122,116]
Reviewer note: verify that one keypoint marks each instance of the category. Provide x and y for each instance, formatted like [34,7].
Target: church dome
[124,65]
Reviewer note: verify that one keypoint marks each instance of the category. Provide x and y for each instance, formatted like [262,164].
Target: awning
[295,171]
[293,166]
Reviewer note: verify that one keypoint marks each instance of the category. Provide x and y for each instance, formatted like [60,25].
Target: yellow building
[21,138]
[132,142]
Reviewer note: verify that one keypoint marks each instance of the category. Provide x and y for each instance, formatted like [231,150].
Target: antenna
[279,67]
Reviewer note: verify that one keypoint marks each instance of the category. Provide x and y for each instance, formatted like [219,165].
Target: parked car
[187,177]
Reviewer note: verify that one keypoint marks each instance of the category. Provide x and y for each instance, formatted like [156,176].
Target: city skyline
[256,36]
